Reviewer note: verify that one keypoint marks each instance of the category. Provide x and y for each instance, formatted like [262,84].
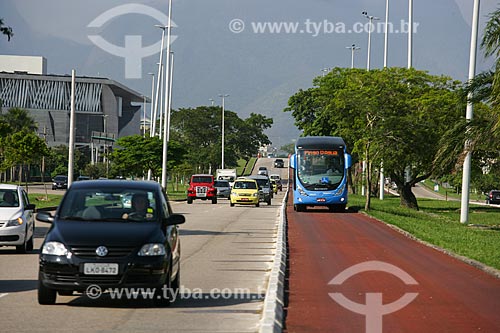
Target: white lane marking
[2,295]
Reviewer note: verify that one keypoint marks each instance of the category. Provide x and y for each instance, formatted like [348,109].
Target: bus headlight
[301,191]
[340,190]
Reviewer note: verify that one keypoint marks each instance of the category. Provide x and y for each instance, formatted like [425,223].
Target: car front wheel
[46,296]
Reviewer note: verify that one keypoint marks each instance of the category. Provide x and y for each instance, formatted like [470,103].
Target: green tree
[199,130]
[394,115]
[134,155]
[23,148]
[483,132]
[19,119]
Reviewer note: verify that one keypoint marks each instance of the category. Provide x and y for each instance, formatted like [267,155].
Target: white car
[17,223]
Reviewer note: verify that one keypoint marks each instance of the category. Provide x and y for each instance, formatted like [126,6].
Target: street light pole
[353,48]
[152,99]
[386,32]
[71,148]
[223,96]
[155,112]
[410,33]
[167,99]
[386,44]
[464,209]
[370,18]
[212,101]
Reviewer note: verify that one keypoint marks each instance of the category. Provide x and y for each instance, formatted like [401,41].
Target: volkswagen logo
[101,251]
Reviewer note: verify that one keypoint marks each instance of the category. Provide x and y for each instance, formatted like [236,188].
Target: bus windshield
[320,170]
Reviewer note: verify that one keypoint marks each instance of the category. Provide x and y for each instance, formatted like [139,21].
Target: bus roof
[320,142]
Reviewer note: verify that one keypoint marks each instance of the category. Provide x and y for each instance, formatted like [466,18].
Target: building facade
[105,109]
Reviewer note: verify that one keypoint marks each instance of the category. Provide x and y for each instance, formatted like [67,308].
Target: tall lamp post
[370,18]
[167,98]
[223,96]
[353,48]
[410,33]
[464,210]
[155,112]
[152,100]
[386,45]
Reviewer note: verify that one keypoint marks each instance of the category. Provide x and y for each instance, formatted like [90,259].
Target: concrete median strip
[272,317]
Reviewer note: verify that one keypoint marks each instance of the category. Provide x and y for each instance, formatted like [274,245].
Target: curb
[272,318]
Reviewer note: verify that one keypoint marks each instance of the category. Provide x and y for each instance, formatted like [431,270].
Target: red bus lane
[351,273]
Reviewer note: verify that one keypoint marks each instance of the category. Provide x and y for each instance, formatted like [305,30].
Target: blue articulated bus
[320,166]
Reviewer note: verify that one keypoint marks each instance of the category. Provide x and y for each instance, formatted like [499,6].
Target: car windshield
[9,198]
[202,179]
[109,204]
[263,182]
[245,185]
[320,170]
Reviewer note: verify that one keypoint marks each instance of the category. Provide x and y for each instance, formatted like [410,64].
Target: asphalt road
[399,285]
[226,256]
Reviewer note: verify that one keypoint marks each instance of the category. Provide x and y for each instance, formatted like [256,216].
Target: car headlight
[15,222]
[54,248]
[153,249]
[256,194]
[234,194]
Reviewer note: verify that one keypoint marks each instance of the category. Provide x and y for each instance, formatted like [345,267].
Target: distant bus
[320,166]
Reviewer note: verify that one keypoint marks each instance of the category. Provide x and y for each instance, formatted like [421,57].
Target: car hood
[9,213]
[81,233]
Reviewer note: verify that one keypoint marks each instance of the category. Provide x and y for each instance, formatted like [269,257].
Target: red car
[202,187]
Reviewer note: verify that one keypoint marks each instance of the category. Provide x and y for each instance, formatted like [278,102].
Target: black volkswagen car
[110,234]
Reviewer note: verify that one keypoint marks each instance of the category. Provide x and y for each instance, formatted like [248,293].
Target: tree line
[194,147]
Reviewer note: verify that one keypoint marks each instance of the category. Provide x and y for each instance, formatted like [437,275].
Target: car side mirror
[30,207]
[174,219]
[43,216]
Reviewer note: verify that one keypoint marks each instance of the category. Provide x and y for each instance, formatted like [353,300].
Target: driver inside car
[140,208]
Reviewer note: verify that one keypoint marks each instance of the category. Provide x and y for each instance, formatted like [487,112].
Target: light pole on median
[353,48]
[464,210]
[155,112]
[152,101]
[370,18]
[223,96]
[167,98]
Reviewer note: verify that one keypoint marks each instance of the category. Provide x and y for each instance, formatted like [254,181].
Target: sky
[219,49]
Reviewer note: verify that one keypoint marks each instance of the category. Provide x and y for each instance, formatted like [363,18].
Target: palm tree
[19,119]
[6,30]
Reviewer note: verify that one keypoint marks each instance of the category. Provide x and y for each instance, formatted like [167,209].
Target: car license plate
[100,269]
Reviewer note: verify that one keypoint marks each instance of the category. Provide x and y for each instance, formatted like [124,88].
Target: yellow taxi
[244,192]
[275,186]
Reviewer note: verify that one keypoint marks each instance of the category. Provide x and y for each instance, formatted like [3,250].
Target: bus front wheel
[337,208]
[299,208]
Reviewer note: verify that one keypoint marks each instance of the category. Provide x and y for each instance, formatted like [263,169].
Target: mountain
[260,70]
